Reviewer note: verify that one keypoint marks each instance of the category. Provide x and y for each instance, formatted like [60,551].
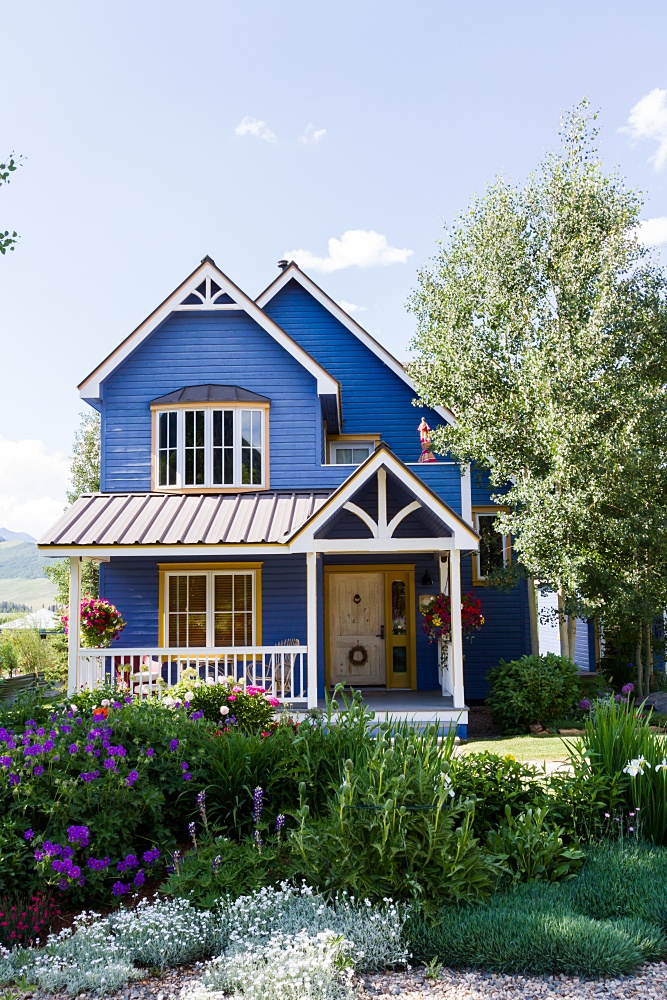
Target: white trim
[311,627]
[464,537]
[466,495]
[74,624]
[198,551]
[293,271]
[349,445]
[90,387]
[363,516]
[457,632]
[361,546]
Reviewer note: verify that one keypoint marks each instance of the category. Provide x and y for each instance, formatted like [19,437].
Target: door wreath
[358,656]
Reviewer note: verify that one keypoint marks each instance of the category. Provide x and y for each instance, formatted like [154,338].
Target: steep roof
[294,273]
[210,289]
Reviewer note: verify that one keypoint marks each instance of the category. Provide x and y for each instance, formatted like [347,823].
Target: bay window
[210,447]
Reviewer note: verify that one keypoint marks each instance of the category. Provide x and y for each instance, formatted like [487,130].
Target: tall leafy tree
[542,324]
[8,239]
[84,478]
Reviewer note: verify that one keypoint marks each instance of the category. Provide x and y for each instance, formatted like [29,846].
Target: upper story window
[207,445]
[350,451]
[494,547]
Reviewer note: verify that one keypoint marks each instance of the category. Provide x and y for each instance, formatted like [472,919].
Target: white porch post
[444,648]
[311,626]
[457,634]
[73,637]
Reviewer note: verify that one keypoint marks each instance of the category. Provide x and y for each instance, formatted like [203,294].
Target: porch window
[493,547]
[210,609]
[211,447]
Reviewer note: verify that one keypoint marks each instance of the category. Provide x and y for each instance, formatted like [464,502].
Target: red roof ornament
[425,438]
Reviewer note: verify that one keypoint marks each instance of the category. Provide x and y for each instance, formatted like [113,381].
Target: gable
[209,291]
[377,396]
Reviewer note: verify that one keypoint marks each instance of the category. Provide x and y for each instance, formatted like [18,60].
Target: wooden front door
[357,628]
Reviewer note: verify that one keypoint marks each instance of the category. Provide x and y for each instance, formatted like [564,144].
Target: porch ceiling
[211,519]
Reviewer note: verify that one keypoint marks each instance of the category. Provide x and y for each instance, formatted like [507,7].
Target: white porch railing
[280,670]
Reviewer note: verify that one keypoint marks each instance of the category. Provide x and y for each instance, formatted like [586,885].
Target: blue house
[264,514]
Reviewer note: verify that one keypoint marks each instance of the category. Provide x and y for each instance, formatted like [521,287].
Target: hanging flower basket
[101,622]
[437,617]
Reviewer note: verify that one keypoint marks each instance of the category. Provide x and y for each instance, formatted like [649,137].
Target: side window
[350,452]
[493,546]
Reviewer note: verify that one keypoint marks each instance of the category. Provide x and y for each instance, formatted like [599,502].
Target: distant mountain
[15,536]
[21,561]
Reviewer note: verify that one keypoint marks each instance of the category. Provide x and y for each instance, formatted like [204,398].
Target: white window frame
[208,412]
[210,603]
[351,443]
[505,540]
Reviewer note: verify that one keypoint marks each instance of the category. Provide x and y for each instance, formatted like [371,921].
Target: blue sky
[157,132]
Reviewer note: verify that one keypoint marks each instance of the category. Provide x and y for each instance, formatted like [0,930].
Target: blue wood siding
[374,399]
[194,348]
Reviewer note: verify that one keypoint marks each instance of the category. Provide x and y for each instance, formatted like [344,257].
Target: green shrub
[223,867]
[392,828]
[534,689]
[249,710]
[494,783]
[532,850]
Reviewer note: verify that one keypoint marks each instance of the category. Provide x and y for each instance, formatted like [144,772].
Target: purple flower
[31,722]
[128,700]
[131,861]
[89,748]
[53,733]
[257,804]
[89,776]
[280,822]
[627,688]
[65,729]
[14,779]
[139,878]
[118,888]
[40,731]
[131,778]
[185,766]
[29,834]
[150,752]
[79,721]
[187,776]
[54,716]
[6,761]
[584,704]
[73,748]
[192,832]
[117,704]
[258,839]
[79,835]
[173,745]
[98,864]
[197,715]
[619,697]
[110,764]
[149,857]
[37,771]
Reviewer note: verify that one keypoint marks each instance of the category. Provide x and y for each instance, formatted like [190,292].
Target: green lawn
[537,748]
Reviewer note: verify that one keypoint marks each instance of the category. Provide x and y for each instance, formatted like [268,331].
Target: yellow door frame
[408,572]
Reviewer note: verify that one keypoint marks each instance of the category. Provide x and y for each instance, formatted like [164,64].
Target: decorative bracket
[380,528]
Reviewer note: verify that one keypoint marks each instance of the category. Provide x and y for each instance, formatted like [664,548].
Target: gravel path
[648,983]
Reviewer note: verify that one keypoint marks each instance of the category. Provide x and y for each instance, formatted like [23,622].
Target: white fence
[280,670]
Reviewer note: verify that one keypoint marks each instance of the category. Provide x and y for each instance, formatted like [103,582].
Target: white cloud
[355,248]
[32,485]
[653,232]
[312,134]
[351,307]
[648,120]
[255,127]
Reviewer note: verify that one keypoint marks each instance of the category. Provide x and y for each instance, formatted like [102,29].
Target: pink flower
[232,697]
[273,702]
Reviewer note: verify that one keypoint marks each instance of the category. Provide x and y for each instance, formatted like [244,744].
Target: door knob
[380,634]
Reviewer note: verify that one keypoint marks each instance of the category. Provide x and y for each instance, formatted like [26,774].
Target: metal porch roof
[191,519]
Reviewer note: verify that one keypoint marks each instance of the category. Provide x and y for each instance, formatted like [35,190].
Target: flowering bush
[533,689]
[437,617]
[230,703]
[23,923]
[101,622]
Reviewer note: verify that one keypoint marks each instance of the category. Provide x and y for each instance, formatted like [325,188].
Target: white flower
[105,702]
[188,696]
[635,767]
[663,766]
[168,701]
[75,708]
[224,710]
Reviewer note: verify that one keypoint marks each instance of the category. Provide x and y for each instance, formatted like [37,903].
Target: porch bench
[12,688]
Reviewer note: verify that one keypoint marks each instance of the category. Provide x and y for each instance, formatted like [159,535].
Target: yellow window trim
[374,439]
[480,581]
[238,567]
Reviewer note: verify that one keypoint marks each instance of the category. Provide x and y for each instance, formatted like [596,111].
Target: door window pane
[398,612]
[400,659]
